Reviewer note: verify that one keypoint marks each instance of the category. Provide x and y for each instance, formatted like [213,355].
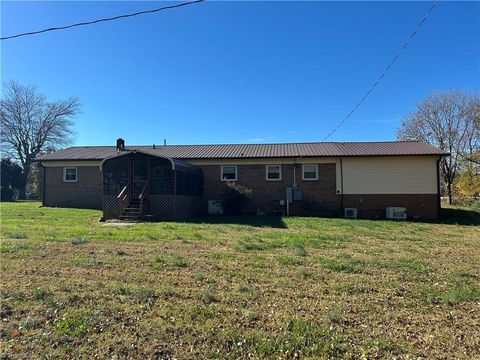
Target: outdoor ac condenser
[351,213]
[215,207]
[397,213]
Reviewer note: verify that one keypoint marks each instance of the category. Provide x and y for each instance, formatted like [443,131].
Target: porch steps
[131,212]
[129,217]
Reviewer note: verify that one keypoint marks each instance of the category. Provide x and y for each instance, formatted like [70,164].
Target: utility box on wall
[297,195]
[292,195]
[289,194]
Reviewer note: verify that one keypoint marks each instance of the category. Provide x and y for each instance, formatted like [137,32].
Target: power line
[102,20]
[384,72]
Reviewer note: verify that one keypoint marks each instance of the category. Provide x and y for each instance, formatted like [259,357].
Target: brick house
[303,179]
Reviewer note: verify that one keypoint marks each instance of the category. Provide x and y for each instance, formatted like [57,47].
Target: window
[70,174]
[274,172]
[310,172]
[228,173]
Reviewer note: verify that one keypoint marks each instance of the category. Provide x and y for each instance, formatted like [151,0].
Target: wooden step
[129,217]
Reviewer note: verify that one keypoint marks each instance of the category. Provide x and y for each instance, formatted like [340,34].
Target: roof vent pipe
[120,144]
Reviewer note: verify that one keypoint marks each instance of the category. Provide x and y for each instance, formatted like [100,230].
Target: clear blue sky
[234,72]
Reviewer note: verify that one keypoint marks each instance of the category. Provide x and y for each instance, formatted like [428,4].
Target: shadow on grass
[459,217]
[255,221]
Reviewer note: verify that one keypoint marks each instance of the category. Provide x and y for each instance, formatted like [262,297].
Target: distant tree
[468,183]
[11,179]
[473,156]
[31,125]
[448,121]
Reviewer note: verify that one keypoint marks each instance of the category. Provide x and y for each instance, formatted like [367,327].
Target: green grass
[238,287]
[76,323]
[341,266]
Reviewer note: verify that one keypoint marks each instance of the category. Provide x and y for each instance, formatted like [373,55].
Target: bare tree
[473,153]
[31,125]
[447,121]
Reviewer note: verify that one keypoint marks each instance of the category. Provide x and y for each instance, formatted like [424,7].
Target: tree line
[32,125]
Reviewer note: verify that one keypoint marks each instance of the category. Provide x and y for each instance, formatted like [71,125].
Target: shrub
[235,198]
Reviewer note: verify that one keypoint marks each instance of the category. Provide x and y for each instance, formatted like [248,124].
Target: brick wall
[319,196]
[86,193]
[424,206]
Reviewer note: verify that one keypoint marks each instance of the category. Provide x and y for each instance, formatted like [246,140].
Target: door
[139,176]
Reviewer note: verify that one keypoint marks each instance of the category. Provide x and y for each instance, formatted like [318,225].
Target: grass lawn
[246,287]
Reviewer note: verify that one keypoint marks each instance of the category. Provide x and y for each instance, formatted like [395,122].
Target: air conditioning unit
[397,213]
[215,207]
[351,213]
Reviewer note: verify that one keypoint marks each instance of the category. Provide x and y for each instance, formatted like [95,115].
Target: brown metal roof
[238,151]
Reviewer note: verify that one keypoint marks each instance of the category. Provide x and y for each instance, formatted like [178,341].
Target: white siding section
[390,175]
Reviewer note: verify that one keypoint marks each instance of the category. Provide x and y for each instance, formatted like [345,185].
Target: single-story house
[352,179]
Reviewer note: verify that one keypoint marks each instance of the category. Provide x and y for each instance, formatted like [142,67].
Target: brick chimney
[120,144]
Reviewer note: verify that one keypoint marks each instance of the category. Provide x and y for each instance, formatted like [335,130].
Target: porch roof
[176,164]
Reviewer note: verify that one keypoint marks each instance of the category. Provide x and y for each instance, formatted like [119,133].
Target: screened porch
[138,185]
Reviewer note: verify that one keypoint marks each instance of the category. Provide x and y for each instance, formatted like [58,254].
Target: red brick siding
[318,195]
[424,206]
[86,193]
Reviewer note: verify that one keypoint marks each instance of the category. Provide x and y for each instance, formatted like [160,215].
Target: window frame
[65,174]
[303,172]
[221,172]
[280,172]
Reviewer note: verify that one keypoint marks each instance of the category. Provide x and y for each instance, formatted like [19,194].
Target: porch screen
[115,176]
[161,177]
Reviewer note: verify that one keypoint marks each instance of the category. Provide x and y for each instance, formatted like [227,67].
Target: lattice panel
[162,206]
[110,207]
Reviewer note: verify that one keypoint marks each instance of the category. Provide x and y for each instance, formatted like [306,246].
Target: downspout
[43,183]
[439,201]
[341,184]
[294,185]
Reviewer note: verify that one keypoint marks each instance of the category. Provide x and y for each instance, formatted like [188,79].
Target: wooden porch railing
[122,199]
[143,196]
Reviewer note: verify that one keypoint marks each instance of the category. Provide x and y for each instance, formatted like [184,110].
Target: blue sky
[235,72]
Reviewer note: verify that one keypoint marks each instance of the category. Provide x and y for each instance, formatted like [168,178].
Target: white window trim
[303,172]
[266,172]
[65,174]
[221,172]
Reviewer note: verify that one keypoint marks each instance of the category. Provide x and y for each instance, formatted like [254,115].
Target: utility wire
[101,20]
[384,72]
